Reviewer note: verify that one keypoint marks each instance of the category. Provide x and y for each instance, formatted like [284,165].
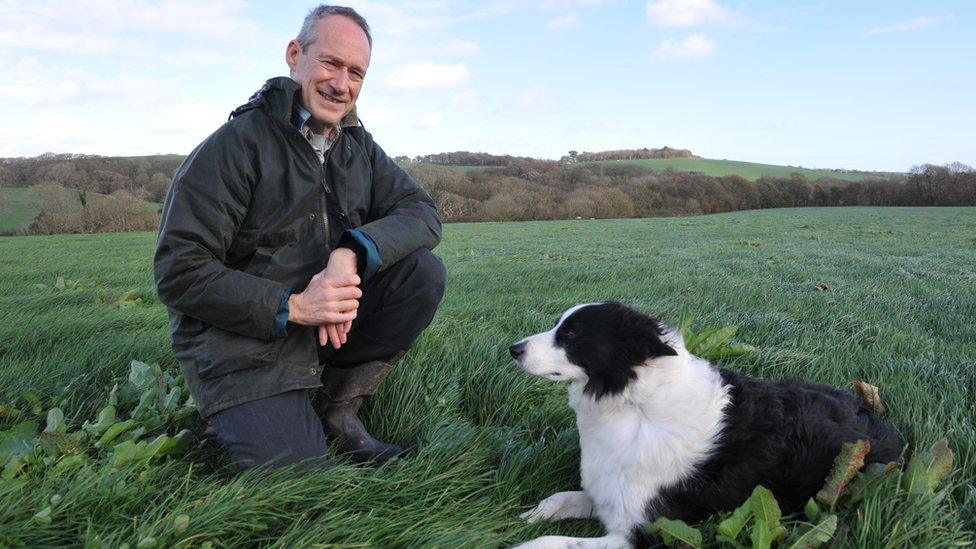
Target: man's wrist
[295,308]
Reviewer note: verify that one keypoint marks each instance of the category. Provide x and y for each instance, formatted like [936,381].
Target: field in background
[487,441]
[20,205]
[719,168]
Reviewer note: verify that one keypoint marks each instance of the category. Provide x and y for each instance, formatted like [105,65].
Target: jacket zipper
[322,196]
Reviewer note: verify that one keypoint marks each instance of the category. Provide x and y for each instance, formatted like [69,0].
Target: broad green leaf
[115,430]
[716,339]
[811,510]
[19,439]
[730,351]
[765,508]
[106,417]
[927,470]
[172,400]
[13,468]
[692,341]
[871,476]
[676,531]
[846,464]
[55,421]
[817,535]
[141,375]
[131,295]
[148,542]
[734,523]
[180,524]
[761,537]
[67,463]
[33,402]
[43,516]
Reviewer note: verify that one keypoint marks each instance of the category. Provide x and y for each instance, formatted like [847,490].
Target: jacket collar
[280,95]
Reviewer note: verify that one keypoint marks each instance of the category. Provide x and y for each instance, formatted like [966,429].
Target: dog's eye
[569,333]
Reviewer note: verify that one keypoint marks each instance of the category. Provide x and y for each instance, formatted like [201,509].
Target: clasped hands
[331,300]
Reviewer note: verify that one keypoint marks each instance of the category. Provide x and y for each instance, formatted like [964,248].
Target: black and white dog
[665,433]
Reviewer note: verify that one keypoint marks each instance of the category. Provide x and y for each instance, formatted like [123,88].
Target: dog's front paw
[561,505]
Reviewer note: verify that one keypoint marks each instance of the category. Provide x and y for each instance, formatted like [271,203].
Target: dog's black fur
[782,435]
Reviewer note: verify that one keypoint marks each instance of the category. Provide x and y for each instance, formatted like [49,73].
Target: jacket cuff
[280,327]
[372,261]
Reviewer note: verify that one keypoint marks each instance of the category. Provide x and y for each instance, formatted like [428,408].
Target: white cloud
[429,120]
[566,21]
[907,26]
[696,46]
[426,75]
[458,47]
[686,13]
[467,98]
[532,98]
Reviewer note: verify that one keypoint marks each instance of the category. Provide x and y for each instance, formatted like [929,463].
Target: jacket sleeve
[402,217]
[206,204]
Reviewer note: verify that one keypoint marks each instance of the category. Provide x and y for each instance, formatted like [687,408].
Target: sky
[869,85]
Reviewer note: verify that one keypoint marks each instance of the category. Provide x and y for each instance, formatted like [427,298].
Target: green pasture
[19,206]
[719,168]
[748,170]
[486,441]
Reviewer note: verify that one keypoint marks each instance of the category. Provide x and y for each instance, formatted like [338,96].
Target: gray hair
[306,37]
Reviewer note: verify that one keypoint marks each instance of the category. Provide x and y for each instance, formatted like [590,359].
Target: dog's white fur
[633,444]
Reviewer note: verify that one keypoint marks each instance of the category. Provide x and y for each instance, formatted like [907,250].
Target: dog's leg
[612,541]
[561,505]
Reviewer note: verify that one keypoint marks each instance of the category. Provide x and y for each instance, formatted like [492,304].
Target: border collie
[665,433]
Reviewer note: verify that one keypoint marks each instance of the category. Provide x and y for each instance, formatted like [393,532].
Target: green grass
[20,205]
[748,170]
[485,440]
[719,168]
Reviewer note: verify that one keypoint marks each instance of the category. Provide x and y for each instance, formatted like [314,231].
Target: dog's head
[598,344]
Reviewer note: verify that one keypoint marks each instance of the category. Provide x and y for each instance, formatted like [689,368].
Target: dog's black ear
[644,336]
[631,339]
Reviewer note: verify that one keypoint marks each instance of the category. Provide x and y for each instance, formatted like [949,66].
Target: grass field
[485,440]
[719,168]
[22,204]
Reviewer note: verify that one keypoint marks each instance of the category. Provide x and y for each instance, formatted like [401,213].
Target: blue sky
[865,85]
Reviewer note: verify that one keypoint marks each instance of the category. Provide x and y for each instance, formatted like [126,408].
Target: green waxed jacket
[251,213]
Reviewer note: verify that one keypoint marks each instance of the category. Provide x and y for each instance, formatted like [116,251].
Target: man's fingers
[333,331]
[340,317]
[346,292]
[347,326]
[342,306]
[323,336]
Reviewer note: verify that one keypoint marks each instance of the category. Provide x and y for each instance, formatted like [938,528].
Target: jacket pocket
[266,246]
[219,352]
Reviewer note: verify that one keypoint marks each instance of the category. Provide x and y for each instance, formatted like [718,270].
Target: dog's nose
[517,350]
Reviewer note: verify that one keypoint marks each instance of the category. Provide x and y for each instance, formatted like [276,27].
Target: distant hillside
[748,170]
[20,206]
[76,193]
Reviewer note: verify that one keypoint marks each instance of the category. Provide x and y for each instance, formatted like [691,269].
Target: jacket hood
[278,96]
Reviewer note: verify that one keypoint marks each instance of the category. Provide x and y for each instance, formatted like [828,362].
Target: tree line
[548,190]
[111,193]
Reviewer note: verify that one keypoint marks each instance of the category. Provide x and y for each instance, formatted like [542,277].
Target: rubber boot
[340,397]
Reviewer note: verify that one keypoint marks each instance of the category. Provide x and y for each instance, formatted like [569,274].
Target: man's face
[331,70]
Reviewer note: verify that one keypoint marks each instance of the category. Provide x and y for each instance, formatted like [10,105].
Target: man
[288,240]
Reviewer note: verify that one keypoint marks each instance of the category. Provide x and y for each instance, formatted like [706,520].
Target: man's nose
[517,350]
[340,82]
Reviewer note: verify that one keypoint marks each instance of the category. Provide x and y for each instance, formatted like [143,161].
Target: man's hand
[331,299]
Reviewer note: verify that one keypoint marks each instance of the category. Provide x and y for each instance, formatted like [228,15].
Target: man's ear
[291,54]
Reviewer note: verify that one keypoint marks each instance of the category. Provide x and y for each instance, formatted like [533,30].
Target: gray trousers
[397,304]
